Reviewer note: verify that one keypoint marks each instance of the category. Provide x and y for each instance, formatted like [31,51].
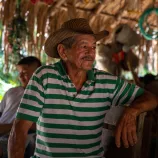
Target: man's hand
[126,128]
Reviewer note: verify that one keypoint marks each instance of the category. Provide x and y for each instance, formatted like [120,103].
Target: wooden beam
[104,13]
[137,147]
[98,11]
[112,15]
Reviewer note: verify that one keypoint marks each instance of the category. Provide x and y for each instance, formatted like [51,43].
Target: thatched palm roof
[42,19]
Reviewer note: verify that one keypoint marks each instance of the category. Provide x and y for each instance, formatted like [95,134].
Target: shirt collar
[90,74]
[61,68]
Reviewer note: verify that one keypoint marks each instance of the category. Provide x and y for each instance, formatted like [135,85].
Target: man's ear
[62,52]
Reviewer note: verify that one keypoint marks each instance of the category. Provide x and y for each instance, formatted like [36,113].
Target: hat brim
[57,37]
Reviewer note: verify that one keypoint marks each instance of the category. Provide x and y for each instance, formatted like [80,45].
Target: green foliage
[17,34]
[7,80]
[1,30]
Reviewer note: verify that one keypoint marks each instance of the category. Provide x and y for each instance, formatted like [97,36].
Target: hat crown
[80,25]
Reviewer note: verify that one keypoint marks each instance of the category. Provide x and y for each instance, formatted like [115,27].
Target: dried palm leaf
[24,7]
[43,28]
[6,13]
[40,18]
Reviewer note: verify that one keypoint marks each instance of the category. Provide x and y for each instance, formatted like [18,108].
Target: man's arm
[17,138]
[126,127]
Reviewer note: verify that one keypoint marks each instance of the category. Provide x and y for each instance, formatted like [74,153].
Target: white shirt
[10,104]
[111,118]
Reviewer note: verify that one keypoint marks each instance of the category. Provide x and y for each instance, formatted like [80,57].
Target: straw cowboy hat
[69,29]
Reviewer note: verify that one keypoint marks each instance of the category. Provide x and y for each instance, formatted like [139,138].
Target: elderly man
[12,97]
[69,99]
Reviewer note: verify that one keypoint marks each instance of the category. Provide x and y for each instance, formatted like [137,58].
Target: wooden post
[156,148]
[140,122]
[137,147]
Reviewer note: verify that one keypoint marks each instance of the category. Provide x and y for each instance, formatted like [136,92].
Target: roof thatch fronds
[43,18]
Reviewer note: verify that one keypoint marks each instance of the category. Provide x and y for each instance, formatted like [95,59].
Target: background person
[12,98]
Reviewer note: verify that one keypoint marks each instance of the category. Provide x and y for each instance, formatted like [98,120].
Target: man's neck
[77,76]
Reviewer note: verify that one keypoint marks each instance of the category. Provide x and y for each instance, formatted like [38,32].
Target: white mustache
[88,58]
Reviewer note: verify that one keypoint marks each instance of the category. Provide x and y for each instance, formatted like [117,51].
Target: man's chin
[87,68]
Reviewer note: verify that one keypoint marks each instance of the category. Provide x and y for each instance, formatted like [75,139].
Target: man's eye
[83,46]
[94,47]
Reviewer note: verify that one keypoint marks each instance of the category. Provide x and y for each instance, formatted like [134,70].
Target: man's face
[25,73]
[82,54]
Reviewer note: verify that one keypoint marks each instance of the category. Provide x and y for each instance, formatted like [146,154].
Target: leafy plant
[7,80]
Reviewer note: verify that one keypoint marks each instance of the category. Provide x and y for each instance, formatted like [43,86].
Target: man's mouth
[88,58]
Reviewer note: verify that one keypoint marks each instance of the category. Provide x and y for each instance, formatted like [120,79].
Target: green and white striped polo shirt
[69,124]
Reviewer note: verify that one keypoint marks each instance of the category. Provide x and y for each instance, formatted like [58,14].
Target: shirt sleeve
[32,101]
[3,103]
[125,92]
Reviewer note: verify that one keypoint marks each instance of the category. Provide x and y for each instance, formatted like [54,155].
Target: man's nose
[91,50]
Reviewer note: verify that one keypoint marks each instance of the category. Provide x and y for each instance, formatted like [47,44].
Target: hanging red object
[118,57]
[48,1]
[34,1]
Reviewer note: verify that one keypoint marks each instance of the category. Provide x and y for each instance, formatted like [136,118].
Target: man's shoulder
[13,89]
[46,68]
[104,74]
[47,71]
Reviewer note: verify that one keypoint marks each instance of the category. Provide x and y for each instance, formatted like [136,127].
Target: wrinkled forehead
[86,38]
